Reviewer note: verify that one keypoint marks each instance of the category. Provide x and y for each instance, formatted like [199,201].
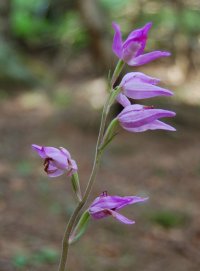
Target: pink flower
[56,160]
[106,205]
[139,118]
[131,50]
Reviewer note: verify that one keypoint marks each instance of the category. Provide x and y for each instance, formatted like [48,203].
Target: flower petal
[60,159]
[51,151]
[65,152]
[39,150]
[52,170]
[115,202]
[121,218]
[132,118]
[117,41]
[139,90]
[136,42]
[146,58]
[56,173]
[130,50]
[123,100]
[138,76]
[143,31]
[155,125]
[98,213]
[73,165]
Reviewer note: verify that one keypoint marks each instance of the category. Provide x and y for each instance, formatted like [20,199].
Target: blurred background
[55,56]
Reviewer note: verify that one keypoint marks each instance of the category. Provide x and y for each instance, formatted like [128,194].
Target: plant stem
[65,244]
[117,71]
[98,153]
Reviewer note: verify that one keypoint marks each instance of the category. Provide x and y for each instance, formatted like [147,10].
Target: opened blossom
[137,85]
[139,118]
[131,50]
[106,205]
[57,161]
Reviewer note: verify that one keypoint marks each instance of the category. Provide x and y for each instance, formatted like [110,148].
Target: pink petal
[138,77]
[98,212]
[74,165]
[39,150]
[117,41]
[123,100]
[51,151]
[65,152]
[135,43]
[56,173]
[139,90]
[132,118]
[140,31]
[121,218]
[52,170]
[130,49]
[155,125]
[143,59]
[60,159]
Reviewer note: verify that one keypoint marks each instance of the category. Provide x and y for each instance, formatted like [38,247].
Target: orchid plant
[133,118]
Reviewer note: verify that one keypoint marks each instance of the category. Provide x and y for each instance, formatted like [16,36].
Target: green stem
[65,244]
[98,153]
[117,72]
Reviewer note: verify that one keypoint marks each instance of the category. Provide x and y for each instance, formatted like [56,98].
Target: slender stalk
[65,244]
[98,153]
[117,71]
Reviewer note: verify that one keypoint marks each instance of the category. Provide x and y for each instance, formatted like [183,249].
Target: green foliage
[71,31]
[44,256]
[20,261]
[168,219]
[30,22]
[12,66]
[190,19]
[114,4]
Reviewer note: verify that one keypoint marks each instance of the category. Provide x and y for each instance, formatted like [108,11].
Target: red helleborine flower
[106,205]
[56,160]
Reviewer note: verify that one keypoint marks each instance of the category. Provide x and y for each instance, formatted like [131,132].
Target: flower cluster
[137,85]
[133,118]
